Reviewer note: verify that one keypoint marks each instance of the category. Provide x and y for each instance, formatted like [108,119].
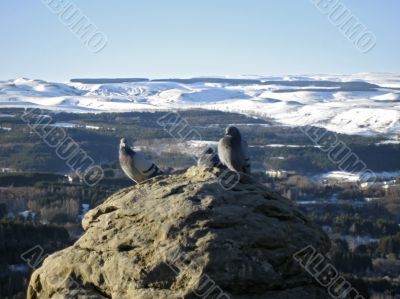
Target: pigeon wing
[222,152]
[144,165]
[246,157]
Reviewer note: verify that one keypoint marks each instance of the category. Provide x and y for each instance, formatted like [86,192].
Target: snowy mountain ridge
[367,104]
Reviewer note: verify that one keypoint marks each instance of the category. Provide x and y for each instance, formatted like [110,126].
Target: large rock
[181,236]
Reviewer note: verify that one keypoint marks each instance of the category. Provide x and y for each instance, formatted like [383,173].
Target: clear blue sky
[180,38]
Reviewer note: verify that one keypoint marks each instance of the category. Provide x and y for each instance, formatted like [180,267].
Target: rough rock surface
[182,236]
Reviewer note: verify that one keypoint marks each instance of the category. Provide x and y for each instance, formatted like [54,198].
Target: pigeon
[209,158]
[135,164]
[233,151]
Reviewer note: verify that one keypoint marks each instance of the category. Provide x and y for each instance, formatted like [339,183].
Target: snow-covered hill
[353,104]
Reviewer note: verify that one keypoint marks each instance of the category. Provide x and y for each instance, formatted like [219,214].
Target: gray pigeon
[209,158]
[233,151]
[135,164]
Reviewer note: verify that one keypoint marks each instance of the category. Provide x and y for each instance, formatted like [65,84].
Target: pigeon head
[209,151]
[232,131]
[123,142]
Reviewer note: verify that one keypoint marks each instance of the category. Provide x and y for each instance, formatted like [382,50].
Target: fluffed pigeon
[209,158]
[135,164]
[233,151]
